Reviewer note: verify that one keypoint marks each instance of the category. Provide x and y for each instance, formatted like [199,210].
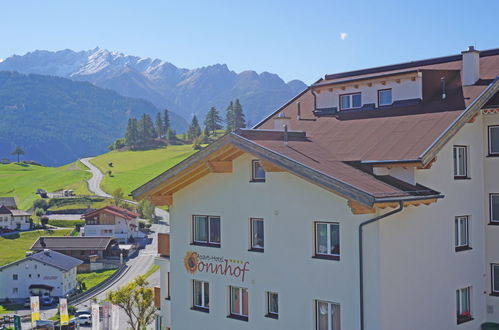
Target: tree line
[145,133]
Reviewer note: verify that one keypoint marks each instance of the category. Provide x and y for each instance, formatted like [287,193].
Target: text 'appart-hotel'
[370,201]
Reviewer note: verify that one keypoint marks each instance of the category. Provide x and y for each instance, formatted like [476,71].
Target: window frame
[493,290]
[202,307]
[491,213]
[254,178]
[458,176]
[328,255]
[330,305]
[379,98]
[272,314]
[208,241]
[489,129]
[461,246]
[350,96]
[459,308]
[241,315]
[252,243]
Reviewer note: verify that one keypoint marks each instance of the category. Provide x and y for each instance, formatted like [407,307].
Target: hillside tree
[194,129]
[239,120]
[159,126]
[132,133]
[17,151]
[229,117]
[166,122]
[212,121]
[146,129]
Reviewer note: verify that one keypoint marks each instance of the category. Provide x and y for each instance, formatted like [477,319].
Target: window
[15,290]
[462,234]
[272,305]
[256,234]
[384,97]
[327,316]
[494,140]
[460,162]
[206,230]
[14,277]
[494,208]
[239,303]
[463,305]
[495,279]
[327,240]
[257,171]
[201,296]
[350,101]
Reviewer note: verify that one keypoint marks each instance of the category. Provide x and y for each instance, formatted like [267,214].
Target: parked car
[70,326]
[47,301]
[84,319]
[83,312]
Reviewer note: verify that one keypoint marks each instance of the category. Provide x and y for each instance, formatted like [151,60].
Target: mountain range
[183,91]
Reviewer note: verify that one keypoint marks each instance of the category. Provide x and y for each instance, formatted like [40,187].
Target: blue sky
[295,39]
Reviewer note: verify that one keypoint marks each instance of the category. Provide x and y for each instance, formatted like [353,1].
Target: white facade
[22,274]
[122,230]
[14,222]
[412,269]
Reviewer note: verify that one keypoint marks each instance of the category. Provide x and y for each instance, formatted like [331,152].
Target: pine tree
[159,126]
[132,133]
[229,118]
[146,129]
[172,135]
[212,122]
[239,120]
[166,121]
[194,129]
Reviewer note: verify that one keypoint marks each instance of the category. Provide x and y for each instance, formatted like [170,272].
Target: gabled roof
[4,210]
[19,213]
[117,211]
[52,258]
[71,243]
[9,202]
[56,259]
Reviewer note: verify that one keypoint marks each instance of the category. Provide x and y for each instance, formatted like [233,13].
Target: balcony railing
[164,244]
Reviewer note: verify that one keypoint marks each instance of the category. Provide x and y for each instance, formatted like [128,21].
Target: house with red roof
[112,221]
[369,201]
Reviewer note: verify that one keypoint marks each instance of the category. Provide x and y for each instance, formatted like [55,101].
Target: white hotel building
[370,201]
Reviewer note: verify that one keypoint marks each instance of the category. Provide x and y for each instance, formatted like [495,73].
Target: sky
[295,39]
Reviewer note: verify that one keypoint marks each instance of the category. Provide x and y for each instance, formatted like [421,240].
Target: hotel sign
[195,262]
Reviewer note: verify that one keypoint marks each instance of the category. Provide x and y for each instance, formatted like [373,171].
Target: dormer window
[350,101]
[384,97]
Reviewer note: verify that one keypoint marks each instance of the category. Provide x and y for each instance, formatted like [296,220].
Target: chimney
[298,111]
[471,66]
[280,120]
[285,128]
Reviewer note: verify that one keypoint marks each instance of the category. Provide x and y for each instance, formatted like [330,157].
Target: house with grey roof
[46,273]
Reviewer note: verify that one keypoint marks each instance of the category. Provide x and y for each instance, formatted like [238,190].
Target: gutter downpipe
[361,258]
[315,98]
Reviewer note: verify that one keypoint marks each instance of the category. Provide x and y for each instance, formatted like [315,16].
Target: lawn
[21,180]
[131,169]
[67,223]
[10,308]
[14,247]
[93,278]
[153,269]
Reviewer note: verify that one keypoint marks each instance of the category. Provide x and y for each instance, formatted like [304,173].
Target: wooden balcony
[164,244]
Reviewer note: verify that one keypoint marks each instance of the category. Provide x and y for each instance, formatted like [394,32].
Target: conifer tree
[229,118]
[166,121]
[194,129]
[159,126]
[239,120]
[212,122]
[146,129]
[131,135]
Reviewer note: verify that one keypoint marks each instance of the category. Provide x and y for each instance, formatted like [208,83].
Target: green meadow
[131,169]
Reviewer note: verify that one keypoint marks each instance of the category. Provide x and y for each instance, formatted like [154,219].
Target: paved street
[95,180]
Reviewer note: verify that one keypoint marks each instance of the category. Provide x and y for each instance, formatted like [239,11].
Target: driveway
[96,179]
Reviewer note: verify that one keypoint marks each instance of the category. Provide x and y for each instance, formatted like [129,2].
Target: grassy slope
[94,278]
[131,169]
[21,181]
[14,247]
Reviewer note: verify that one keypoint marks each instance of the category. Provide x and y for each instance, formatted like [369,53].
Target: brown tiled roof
[71,243]
[118,211]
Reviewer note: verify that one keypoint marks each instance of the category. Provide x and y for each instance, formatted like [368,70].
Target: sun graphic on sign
[191,261]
